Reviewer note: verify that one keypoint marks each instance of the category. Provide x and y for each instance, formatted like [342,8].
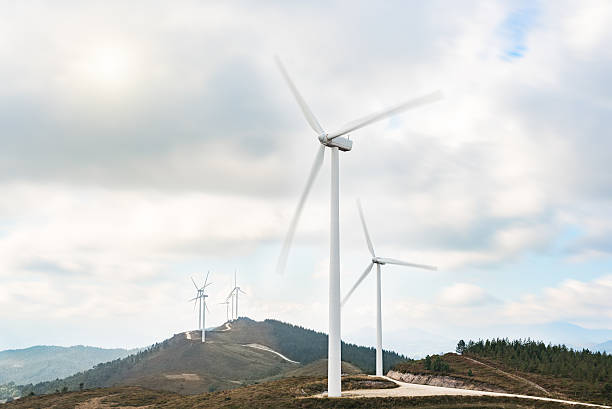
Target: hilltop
[238,353]
[521,367]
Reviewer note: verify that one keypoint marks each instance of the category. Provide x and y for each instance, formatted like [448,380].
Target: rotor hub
[344,144]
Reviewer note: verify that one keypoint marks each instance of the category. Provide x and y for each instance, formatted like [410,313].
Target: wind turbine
[379,261]
[335,141]
[227,303]
[201,298]
[234,295]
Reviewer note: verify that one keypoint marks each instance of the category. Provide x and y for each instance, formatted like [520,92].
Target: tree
[460,346]
[428,362]
[439,365]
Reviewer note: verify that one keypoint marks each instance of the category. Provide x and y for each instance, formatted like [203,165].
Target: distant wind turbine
[227,304]
[234,296]
[379,261]
[335,141]
[201,299]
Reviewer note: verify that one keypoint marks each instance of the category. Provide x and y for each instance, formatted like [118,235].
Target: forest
[537,357]
[305,345]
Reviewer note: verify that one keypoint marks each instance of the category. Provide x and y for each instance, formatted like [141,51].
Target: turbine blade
[405,263]
[316,166]
[206,279]
[195,303]
[205,305]
[365,229]
[365,273]
[378,116]
[312,120]
[194,284]
[242,291]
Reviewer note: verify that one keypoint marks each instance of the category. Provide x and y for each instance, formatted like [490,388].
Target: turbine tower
[201,299]
[227,304]
[234,296]
[336,142]
[379,261]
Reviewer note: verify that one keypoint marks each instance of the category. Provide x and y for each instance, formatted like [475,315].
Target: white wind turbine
[227,304]
[379,261]
[234,296]
[335,141]
[201,298]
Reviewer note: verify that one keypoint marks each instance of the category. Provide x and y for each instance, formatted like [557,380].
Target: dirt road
[411,389]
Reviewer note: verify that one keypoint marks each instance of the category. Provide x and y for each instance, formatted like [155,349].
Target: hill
[524,367]
[42,363]
[241,352]
[319,368]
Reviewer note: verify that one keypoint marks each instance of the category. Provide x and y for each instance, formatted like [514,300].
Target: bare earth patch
[183,377]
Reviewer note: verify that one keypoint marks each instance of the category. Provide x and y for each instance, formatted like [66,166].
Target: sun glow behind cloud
[146,142]
[107,68]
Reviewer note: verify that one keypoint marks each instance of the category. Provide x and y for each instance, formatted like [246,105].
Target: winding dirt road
[411,389]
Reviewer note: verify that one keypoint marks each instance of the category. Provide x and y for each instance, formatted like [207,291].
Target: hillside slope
[301,344]
[42,363]
[238,353]
[475,371]
[181,364]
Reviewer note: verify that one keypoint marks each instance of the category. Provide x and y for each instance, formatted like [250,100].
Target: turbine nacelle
[377,260]
[344,144]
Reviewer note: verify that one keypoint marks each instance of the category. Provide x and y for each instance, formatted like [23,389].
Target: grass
[512,381]
[319,368]
[284,393]
[482,376]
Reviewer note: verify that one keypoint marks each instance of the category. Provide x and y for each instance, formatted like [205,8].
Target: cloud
[198,159]
[584,303]
[464,294]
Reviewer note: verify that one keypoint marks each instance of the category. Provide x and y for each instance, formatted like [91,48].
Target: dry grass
[284,393]
[482,375]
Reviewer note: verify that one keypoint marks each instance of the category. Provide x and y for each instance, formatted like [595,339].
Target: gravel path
[411,389]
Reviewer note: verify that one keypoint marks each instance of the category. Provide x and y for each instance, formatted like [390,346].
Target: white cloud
[199,158]
[464,294]
[585,303]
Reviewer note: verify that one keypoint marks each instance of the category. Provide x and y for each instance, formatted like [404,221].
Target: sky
[147,142]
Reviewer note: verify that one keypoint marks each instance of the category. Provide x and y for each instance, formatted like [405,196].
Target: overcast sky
[142,143]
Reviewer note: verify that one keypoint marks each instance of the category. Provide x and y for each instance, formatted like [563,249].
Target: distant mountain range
[43,363]
[416,342]
[604,347]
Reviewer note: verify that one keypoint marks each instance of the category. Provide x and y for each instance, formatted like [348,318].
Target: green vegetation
[435,364]
[9,392]
[524,367]
[568,372]
[305,345]
[537,357]
[478,374]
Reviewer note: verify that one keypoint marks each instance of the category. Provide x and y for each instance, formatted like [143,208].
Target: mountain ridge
[185,365]
[40,363]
